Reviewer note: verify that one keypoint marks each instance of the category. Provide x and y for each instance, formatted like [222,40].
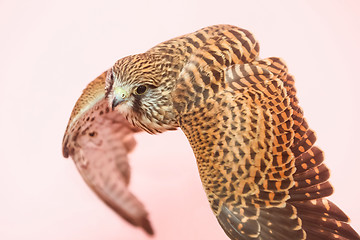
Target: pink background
[49,51]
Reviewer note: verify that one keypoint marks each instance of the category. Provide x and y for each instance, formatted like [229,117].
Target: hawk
[262,174]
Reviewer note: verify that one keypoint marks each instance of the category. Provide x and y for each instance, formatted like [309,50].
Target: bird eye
[141,89]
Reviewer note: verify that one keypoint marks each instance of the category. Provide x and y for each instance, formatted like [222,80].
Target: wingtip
[146,225]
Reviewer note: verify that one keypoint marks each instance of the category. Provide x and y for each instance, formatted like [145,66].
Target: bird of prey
[263,175]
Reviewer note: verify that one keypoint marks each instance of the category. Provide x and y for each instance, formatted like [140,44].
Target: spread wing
[99,141]
[263,176]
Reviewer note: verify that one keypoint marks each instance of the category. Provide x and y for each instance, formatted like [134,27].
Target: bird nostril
[123,95]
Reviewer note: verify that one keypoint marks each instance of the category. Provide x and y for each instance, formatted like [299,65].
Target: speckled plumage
[262,174]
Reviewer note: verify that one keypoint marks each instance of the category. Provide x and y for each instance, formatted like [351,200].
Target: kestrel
[261,172]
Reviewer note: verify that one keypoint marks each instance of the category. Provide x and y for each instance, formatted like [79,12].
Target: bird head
[139,87]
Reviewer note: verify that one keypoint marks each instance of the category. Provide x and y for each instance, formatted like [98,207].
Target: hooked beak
[120,97]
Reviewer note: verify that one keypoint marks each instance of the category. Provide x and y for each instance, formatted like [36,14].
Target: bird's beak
[120,96]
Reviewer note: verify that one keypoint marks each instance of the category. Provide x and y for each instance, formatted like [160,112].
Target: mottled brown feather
[99,140]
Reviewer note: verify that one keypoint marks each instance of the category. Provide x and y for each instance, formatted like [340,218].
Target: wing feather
[256,158]
[99,141]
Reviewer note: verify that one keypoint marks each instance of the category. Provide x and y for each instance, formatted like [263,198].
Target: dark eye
[141,89]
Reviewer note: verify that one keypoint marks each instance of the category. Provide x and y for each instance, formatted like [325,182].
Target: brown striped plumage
[262,174]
